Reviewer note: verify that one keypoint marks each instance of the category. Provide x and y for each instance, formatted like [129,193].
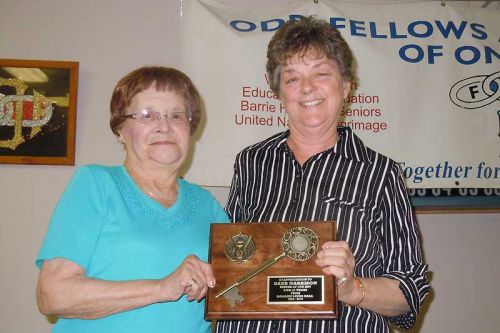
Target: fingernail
[211,284]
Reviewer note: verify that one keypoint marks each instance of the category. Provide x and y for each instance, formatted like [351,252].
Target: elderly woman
[122,250]
[324,172]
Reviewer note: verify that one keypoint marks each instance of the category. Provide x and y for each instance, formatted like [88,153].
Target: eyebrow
[176,108]
[293,70]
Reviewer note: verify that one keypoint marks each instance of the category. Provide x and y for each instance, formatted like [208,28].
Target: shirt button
[274,325]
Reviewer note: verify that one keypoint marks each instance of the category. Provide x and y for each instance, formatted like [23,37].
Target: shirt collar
[349,145]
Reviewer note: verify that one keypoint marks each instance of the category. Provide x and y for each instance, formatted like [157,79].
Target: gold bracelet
[359,284]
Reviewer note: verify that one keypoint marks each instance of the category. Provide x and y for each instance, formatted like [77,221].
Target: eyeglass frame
[162,115]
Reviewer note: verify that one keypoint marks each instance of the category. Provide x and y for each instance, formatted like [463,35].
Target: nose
[307,85]
[163,124]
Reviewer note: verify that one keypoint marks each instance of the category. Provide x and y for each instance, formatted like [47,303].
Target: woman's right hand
[192,278]
[64,289]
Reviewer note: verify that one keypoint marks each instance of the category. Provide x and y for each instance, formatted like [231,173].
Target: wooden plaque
[288,289]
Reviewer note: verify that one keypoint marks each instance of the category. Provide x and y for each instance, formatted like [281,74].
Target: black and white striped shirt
[357,187]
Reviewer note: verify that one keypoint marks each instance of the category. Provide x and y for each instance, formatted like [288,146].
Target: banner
[426,94]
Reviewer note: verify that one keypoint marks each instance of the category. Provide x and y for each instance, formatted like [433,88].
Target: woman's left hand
[192,278]
[336,258]
[384,296]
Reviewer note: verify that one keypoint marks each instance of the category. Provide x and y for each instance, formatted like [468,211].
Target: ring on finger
[340,281]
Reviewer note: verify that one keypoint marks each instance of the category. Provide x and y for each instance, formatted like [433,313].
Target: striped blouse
[357,187]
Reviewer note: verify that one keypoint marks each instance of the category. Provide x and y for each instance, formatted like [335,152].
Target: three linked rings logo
[477,91]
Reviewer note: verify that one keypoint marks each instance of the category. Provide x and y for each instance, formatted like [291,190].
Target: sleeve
[401,248]
[233,202]
[218,212]
[76,222]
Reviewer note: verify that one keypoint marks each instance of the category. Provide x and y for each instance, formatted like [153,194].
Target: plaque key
[299,243]
[252,273]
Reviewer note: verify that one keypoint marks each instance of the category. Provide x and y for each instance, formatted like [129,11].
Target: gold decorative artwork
[38,111]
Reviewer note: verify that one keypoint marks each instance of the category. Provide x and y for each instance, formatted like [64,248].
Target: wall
[109,38]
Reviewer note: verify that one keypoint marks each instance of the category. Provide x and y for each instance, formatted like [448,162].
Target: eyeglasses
[148,117]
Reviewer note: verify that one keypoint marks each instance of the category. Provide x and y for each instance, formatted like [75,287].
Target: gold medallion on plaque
[239,248]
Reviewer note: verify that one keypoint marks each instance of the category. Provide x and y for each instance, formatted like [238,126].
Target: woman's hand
[193,278]
[64,290]
[381,295]
[336,258]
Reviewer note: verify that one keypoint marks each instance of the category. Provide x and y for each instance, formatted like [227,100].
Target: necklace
[141,184]
[163,200]
[155,196]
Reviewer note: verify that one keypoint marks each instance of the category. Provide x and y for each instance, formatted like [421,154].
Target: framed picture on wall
[38,111]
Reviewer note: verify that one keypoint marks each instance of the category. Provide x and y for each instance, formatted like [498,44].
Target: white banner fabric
[427,93]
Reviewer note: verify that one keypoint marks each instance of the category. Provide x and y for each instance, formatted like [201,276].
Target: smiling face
[312,91]
[159,143]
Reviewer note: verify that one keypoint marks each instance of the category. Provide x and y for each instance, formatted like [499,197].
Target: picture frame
[38,105]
